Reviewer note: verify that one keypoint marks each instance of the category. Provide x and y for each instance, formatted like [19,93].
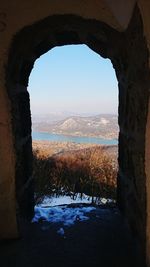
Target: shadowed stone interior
[133,78]
[128,51]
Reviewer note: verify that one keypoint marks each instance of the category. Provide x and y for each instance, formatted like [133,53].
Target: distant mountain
[51,117]
[104,126]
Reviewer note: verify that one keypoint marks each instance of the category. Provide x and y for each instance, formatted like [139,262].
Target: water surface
[75,139]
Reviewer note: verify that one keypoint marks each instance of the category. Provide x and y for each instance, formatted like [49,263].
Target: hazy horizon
[70,113]
[73,79]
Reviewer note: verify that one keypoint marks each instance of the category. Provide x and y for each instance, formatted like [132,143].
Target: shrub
[91,171]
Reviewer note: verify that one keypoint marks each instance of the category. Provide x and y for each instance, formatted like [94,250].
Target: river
[76,139]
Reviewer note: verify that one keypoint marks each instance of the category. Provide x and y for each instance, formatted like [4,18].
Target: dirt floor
[102,241]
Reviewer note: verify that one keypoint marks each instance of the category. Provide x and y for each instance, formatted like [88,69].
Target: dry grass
[92,171]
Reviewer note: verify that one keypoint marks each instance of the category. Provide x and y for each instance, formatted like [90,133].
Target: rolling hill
[104,126]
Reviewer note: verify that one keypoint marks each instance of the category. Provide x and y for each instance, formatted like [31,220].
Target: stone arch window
[51,32]
[73,94]
[133,80]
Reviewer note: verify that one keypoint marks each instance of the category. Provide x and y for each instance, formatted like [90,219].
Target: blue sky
[74,79]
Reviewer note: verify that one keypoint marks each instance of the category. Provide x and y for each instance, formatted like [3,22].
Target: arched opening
[133,98]
[67,30]
[74,106]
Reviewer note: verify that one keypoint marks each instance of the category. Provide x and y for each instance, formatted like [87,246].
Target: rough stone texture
[147,152]
[145,9]
[13,17]
[133,76]
[50,32]
[97,24]
[20,106]
[7,164]
[133,98]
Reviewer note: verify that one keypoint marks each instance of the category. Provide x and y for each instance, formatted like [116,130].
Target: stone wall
[107,28]
[145,12]
[133,76]
[53,31]
[134,83]
[14,16]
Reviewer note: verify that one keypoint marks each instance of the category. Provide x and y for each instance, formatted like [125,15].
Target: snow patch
[65,200]
[56,209]
[65,215]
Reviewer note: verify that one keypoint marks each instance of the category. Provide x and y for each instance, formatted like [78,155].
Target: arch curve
[57,30]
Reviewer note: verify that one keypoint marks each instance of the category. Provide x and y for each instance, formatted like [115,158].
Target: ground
[104,240]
